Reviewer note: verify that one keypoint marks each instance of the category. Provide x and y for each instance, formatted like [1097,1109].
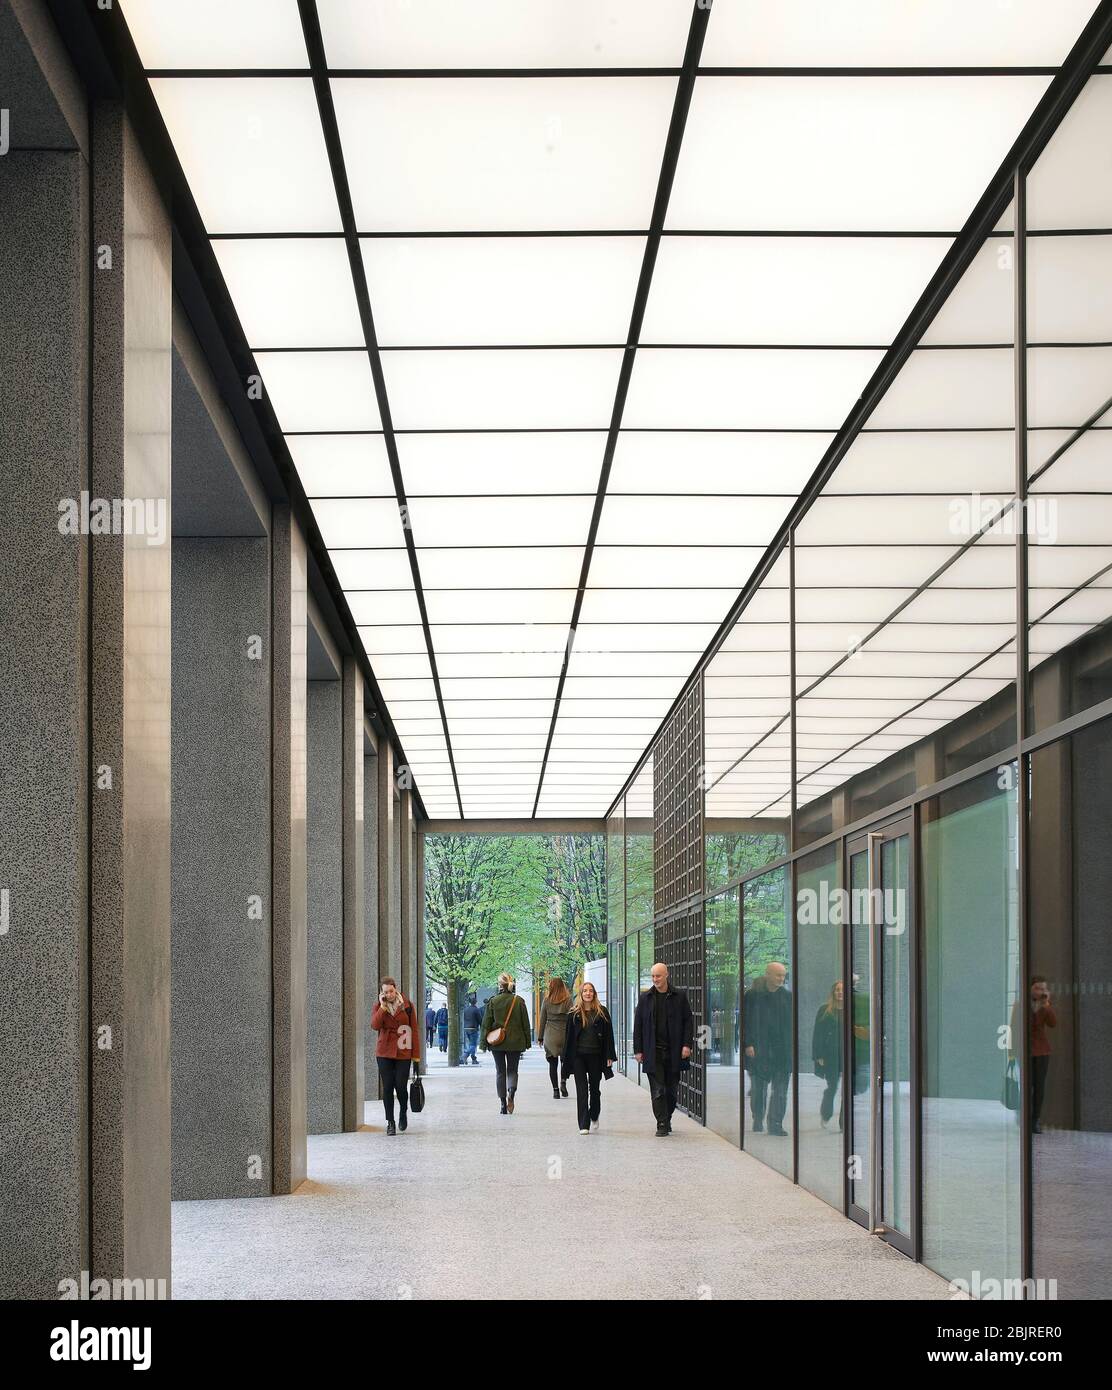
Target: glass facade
[906,749]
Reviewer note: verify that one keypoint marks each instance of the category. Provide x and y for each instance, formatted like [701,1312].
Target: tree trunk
[454,1039]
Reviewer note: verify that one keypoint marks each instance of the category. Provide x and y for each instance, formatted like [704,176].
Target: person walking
[826,1049]
[1043,1017]
[472,1022]
[505,1032]
[768,1048]
[663,1039]
[552,1028]
[394,1019]
[442,1027]
[589,1051]
[430,1026]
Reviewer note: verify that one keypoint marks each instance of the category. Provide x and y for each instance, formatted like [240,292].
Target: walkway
[618,1214]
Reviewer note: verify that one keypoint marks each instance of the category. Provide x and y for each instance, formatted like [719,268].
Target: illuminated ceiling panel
[555,352]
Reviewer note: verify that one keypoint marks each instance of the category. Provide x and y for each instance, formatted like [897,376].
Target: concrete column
[44,341]
[407,877]
[129,690]
[370,909]
[387,862]
[221,892]
[354,1002]
[288,777]
[325,881]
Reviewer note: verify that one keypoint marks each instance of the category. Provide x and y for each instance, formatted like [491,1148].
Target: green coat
[518,1038]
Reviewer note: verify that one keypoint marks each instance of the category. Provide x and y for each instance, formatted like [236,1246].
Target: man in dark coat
[472,1022]
[768,1048]
[442,1027]
[663,1039]
[430,1025]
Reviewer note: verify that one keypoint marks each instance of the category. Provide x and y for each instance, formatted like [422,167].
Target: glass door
[881,1167]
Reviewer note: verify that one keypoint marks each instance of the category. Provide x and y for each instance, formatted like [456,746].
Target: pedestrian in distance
[552,1028]
[505,1033]
[589,1054]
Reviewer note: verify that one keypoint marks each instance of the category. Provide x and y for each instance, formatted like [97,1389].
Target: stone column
[129,694]
[288,777]
[354,1000]
[371,970]
[44,401]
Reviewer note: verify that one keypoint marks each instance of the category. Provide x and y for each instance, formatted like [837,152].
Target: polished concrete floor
[471,1204]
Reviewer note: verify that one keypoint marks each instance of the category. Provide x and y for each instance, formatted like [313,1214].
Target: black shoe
[503,1110]
[564,1089]
[403,1122]
[555,1093]
[474,1061]
[778,1132]
[758,1126]
[662,1131]
[391,1128]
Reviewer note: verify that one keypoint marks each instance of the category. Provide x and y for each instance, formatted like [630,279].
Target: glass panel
[905,574]
[1071,1013]
[1069,327]
[724,1018]
[897,1096]
[639,848]
[970,1136]
[767,1018]
[861,1132]
[820,987]
[615,874]
[631,978]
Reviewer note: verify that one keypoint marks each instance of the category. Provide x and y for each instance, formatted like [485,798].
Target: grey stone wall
[324,882]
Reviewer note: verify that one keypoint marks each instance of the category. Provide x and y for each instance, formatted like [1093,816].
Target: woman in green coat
[507,1018]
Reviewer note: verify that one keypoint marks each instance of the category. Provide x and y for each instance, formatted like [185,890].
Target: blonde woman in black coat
[589,1052]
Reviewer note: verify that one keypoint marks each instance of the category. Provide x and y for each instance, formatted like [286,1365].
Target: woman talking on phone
[394,1019]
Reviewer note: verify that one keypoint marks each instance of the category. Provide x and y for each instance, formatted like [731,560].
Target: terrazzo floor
[432,1214]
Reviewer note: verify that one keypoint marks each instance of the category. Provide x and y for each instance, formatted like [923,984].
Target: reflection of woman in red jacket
[394,1019]
[1042,1018]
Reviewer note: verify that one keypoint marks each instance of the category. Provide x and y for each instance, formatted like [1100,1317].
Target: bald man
[768,1048]
[663,1038]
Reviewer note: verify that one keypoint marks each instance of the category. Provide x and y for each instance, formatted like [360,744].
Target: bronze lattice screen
[678,937]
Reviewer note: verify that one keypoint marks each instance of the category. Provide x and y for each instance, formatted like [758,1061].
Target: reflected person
[768,1048]
[826,1049]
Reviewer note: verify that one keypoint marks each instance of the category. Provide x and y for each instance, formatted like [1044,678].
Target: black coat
[602,1028]
[768,1028]
[826,1042]
[681,1030]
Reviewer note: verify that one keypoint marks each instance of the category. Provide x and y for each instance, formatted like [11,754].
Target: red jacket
[391,1039]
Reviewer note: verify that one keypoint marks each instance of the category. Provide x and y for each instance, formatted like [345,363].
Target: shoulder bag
[497,1036]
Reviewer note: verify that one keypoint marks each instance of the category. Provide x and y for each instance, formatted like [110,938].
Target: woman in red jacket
[394,1019]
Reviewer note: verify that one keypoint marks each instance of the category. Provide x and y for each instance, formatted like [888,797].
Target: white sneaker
[584,1131]
[594,1126]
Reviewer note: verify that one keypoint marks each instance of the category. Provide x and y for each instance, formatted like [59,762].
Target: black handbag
[1011,1087]
[417,1094]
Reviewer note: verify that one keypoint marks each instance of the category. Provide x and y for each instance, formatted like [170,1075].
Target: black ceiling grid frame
[101,48]
[1081,62]
[684,89]
[318,63]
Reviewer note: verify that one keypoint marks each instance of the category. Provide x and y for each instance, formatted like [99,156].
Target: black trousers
[587,1071]
[769,1090]
[505,1069]
[833,1076]
[429,1035]
[662,1089]
[1039,1067]
[553,1070]
[394,1074]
